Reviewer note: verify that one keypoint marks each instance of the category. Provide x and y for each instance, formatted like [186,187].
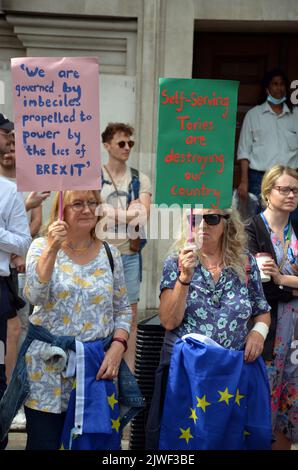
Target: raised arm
[173,298]
[41,261]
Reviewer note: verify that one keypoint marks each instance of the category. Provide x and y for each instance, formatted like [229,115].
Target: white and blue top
[86,301]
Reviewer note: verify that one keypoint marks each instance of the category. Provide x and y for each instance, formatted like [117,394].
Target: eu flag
[92,419]
[214,400]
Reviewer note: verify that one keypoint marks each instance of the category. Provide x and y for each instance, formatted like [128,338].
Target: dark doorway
[245,57]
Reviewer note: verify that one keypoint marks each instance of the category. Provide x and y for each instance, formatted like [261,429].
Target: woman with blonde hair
[205,289]
[274,232]
[77,285]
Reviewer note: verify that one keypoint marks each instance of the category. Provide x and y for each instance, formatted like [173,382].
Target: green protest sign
[196,136]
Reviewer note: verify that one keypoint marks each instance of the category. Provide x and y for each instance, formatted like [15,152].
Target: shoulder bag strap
[109,255]
[116,189]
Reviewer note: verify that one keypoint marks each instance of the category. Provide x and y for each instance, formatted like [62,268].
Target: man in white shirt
[17,324]
[269,135]
[14,238]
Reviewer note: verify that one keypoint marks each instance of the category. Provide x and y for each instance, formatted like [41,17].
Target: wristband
[261,328]
[122,341]
[183,283]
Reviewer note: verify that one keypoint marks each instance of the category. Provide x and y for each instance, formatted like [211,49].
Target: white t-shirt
[25,194]
[267,138]
[14,228]
[119,201]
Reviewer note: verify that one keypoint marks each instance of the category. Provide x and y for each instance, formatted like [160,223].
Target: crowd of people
[81,274]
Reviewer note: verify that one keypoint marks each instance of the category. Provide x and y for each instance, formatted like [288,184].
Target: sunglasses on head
[210,219]
[122,144]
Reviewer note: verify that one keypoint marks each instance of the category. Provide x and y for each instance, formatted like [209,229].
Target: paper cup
[261,258]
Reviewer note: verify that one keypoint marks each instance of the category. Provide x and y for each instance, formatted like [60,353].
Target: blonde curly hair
[234,242]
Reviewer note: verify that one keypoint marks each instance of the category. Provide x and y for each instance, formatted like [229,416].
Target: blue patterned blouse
[222,310]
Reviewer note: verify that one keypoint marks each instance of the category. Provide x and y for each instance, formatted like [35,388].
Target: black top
[259,241]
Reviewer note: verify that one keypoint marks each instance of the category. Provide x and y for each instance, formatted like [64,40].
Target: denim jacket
[130,399]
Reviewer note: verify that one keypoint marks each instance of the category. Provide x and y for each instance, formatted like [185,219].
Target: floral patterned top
[219,310]
[290,266]
[86,301]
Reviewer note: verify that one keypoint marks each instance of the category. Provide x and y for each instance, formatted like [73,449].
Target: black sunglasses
[210,219]
[122,143]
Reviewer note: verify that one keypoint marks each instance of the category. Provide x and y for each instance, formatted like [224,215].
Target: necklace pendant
[79,250]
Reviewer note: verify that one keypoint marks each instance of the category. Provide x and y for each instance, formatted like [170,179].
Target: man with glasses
[14,238]
[120,183]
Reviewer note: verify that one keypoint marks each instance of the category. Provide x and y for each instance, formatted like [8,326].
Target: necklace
[79,250]
[215,269]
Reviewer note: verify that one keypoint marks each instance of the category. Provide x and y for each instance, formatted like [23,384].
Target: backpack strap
[134,185]
[109,255]
[103,180]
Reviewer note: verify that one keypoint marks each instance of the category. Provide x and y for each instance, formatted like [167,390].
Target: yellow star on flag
[246,433]
[185,434]
[238,397]
[225,396]
[116,423]
[193,415]
[112,400]
[202,403]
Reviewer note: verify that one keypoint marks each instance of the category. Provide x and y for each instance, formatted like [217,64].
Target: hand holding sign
[57,234]
[56,107]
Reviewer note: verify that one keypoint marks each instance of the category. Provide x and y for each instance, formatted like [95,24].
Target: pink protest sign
[56,115]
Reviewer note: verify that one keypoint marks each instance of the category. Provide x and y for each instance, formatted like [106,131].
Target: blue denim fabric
[254,186]
[3,337]
[18,389]
[131,269]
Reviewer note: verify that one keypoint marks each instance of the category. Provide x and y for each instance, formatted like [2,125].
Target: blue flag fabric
[214,400]
[92,420]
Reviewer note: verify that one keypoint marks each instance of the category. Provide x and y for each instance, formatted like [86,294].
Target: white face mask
[273,100]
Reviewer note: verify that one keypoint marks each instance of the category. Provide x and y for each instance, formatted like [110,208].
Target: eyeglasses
[122,143]
[210,219]
[79,205]
[285,190]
